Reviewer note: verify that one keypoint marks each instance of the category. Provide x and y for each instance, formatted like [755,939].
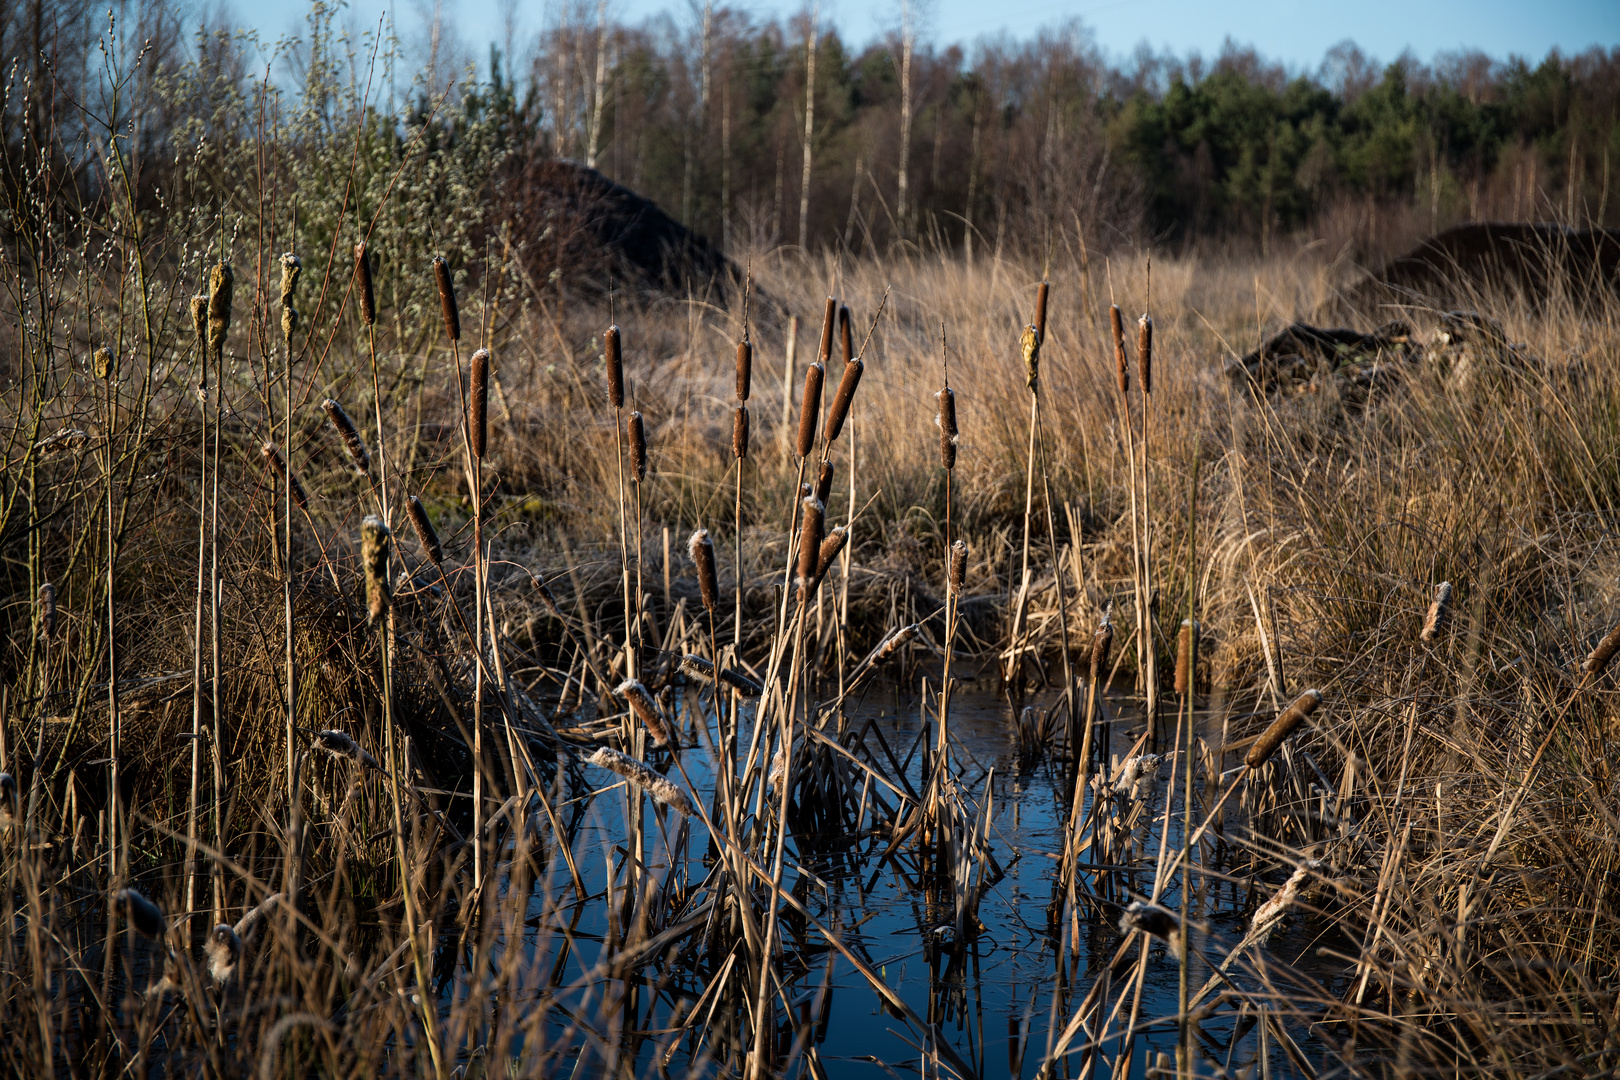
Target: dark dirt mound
[1303,353]
[1451,269]
[589,234]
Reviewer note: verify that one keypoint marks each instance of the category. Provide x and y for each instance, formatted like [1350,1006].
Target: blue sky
[1296,32]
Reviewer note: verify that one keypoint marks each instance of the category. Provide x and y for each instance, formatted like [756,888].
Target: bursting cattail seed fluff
[362,275]
[958,573]
[945,420]
[375,540]
[1439,612]
[221,285]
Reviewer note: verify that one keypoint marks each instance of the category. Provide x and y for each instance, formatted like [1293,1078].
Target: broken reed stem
[613,357]
[1186,685]
[199,315]
[291,270]
[1145,674]
[477,441]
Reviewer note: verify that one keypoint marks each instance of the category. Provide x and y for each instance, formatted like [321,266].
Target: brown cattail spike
[425,532]
[375,541]
[1040,312]
[1030,343]
[843,398]
[1186,655]
[1101,642]
[1118,325]
[47,610]
[1144,351]
[478,404]
[846,332]
[636,434]
[810,410]
[101,363]
[810,541]
[646,710]
[946,421]
[272,454]
[199,318]
[1439,612]
[745,368]
[362,281]
[958,575]
[447,298]
[1282,727]
[739,432]
[701,550]
[221,284]
[896,641]
[350,435]
[831,548]
[824,353]
[615,367]
[1603,653]
[824,483]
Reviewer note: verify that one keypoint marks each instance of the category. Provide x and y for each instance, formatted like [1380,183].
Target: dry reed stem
[1282,727]
[645,778]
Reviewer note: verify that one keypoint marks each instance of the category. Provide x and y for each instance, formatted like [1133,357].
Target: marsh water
[1000,999]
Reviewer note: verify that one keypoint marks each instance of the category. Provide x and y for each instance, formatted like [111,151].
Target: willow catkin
[945,420]
[1439,612]
[810,540]
[614,358]
[362,281]
[199,319]
[447,298]
[958,572]
[375,541]
[1040,311]
[1186,653]
[1030,344]
[810,410]
[1101,643]
[221,285]
[1118,325]
[701,550]
[639,775]
[478,404]
[636,435]
[1144,351]
[272,455]
[824,483]
[145,916]
[824,353]
[352,442]
[101,363]
[843,397]
[1601,655]
[745,368]
[291,269]
[646,710]
[739,432]
[1282,727]
[846,332]
[47,611]
[425,533]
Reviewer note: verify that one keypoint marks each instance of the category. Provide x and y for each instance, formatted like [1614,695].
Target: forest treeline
[760,132]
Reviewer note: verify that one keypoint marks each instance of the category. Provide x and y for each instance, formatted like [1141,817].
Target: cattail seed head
[700,669]
[615,367]
[289,321]
[362,281]
[272,456]
[843,398]
[810,541]
[958,574]
[1118,325]
[646,710]
[739,432]
[341,745]
[1150,919]
[1439,612]
[1144,351]
[145,916]
[846,333]
[701,550]
[945,419]
[478,404]
[639,775]
[831,548]
[810,410]
[745,368]
[291,269]
[350,435]
[896,641]
[1040,312]
[221,284]
[47,611]
[824,353]
[1604,652]
[375,541]
[1282,727]
[199,318]
[1030,343]
[636,435]
[425,532]
[824,483]
[224,949]
[1101,642]
[101,363]
[1186,655]
[447,298]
